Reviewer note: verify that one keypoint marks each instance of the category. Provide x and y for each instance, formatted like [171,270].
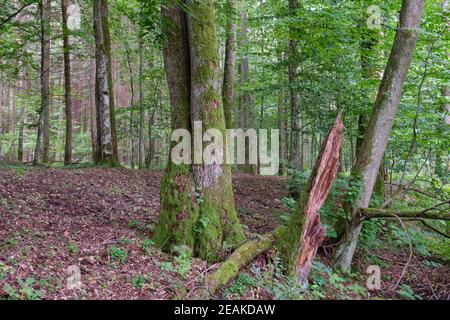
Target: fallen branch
[371,213]
[416,190]
[238,259]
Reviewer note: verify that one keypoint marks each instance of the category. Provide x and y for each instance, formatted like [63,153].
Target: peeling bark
[105,151]
[298,251]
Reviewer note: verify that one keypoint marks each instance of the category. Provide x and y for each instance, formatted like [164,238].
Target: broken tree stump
[303,234]
[298,240]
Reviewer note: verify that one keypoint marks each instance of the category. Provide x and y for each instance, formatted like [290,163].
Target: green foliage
[117,254]
[28,291]
[407,292]
[138,282]
[182,260]
[147,245]
[239,285]
[72,248]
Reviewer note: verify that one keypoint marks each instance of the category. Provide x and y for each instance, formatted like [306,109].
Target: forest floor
[101,221]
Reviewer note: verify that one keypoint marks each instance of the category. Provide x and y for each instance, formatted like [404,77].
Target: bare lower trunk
[114,158]
[43,131]
[375,140]
[141,107]
[230,65]
[197,206]
[294,156]
[105,151]
[67,85]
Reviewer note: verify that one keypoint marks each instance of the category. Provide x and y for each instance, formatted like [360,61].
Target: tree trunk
[43,130]
[380,124]
[282,128]
[292,76]
[141,106]
[114,158]
[130,129]
[298,250]
[230,64]
[105,149]
[197,206]
[67,85]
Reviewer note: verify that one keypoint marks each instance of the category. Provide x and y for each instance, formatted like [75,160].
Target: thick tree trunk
[197,206]
[370,155]
[67,85]
[43,131]
[230,64]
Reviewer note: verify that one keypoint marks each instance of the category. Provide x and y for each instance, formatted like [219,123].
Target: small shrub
[117,254]
[138,282]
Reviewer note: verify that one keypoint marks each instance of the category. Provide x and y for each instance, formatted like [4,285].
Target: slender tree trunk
[371,153]
[292,76]
[43,131]
[67,85]
[141,105]
[105,149]
[107,49]
[282,128]
[131,131]
[230,64]
[245,109]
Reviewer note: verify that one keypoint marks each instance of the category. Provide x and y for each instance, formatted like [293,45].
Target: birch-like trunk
[104,138]
[376,137]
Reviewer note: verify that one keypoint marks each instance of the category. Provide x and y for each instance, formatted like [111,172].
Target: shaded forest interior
[354,97]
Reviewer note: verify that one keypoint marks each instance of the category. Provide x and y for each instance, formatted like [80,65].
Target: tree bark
[230,64]
[197,206]
[114,158]
[67,85]
[105,149]
[380,124]
[130,129]
[43,130]
[371,213]
[298,240]
[294,156]
[141,105]
[298,250]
